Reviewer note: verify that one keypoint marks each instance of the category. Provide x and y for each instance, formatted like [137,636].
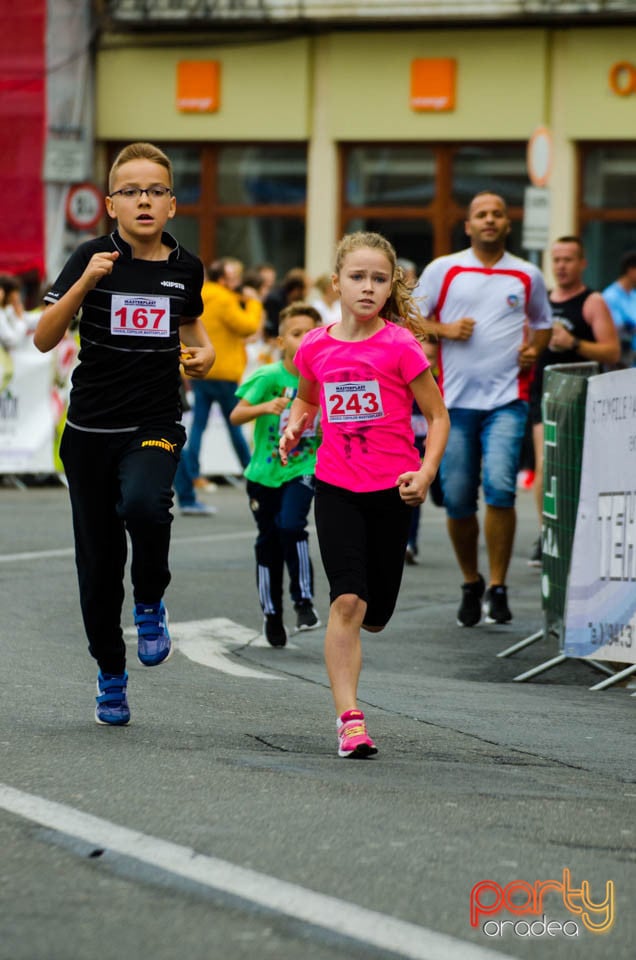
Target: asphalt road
[221,823]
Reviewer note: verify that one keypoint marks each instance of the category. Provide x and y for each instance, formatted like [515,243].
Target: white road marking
[70,552]
[289,899]
[36,555]
[210,642]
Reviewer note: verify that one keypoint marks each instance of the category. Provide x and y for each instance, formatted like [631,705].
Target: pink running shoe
[353,739]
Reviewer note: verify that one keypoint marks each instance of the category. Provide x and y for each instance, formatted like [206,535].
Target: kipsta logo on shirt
[512,300]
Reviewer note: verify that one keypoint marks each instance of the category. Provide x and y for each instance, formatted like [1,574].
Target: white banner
[26,413]
[600,620]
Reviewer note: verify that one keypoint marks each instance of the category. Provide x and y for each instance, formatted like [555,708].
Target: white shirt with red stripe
[483,373]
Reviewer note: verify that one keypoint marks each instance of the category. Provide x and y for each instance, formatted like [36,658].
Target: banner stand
[588,566]
[521,644]
[616,676]
[563,415]
[11,480]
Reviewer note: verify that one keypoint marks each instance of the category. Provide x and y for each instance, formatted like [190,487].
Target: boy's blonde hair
[139,151]
[400,307]
[298,309]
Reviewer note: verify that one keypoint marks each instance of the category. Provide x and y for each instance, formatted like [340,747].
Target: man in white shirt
[490,314]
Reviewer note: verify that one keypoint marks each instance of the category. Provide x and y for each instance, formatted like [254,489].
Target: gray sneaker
[536,557]
[198,509]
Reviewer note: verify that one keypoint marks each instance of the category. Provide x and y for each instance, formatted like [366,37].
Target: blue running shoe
[153,639]
[112,704]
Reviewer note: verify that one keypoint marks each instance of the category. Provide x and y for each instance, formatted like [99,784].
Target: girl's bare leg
[343,650]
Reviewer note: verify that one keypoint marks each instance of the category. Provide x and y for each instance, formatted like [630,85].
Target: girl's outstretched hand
[290,436]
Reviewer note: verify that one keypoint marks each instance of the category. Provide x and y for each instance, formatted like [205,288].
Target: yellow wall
[591,111]
[264,93]
[339,87]
[505,86]
[501,85]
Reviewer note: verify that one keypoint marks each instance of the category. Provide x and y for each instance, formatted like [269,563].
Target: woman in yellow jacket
[229,317]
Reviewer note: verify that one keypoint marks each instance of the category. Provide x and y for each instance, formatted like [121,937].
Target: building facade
[292,122]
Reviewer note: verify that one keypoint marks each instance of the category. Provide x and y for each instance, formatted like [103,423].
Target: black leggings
[363,537]
[119,482]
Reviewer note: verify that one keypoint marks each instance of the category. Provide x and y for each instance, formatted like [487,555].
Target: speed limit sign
[84,206]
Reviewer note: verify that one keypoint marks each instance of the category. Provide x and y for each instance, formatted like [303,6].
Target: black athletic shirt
[128,370]
[570,314]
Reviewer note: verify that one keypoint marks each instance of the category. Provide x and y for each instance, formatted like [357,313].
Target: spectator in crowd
[267,273]
[583,330]
[13,326]
[409,271]
[13,322]
[260,349]
[294,287]
[229,317]
[326,301]
[492,319]
[620,297]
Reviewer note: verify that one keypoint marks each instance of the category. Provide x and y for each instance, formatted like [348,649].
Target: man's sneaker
[198,509]
[274,630]
[306,616]
[469,613]
[496,606]
[353,739]
[410,556]
[153,639]
[536,555]
[112,704]
[205,485]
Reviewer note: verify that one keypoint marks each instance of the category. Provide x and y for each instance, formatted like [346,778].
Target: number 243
[367,403]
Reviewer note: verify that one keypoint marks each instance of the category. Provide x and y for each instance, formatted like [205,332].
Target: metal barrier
[589,521]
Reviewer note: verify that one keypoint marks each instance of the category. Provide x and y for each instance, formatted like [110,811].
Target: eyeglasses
[157,192]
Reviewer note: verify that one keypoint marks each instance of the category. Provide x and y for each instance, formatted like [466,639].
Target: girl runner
[363,372]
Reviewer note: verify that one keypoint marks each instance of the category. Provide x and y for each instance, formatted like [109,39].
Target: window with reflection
[607,207]
[500,168]
[276,240]
[186,172]
[262,174]
[412,239]
[240,200]
[417,194]
[390,176]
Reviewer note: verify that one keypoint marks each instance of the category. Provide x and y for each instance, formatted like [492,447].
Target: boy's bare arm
[302,415]
[243,412]
[56,317]
[197,360]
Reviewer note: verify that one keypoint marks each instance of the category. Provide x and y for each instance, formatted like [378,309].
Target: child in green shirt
[280,497]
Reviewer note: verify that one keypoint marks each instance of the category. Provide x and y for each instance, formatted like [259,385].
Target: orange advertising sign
[433,84]
[622,78]
[198,86]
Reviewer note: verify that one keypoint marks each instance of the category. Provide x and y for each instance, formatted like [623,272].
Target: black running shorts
[362,538]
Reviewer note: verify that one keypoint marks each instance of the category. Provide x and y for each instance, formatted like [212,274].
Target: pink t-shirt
[366,405]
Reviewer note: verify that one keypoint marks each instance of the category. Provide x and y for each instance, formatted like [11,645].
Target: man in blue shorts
[490,314]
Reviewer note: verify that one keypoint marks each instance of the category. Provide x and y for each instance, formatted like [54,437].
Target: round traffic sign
[539,157]
[84,206]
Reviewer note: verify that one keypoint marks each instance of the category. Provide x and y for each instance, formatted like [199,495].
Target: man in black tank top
[583,330]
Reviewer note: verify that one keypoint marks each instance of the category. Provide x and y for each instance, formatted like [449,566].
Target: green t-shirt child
[267,383]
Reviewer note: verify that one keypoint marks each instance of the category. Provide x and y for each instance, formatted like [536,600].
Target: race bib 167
[136,316]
